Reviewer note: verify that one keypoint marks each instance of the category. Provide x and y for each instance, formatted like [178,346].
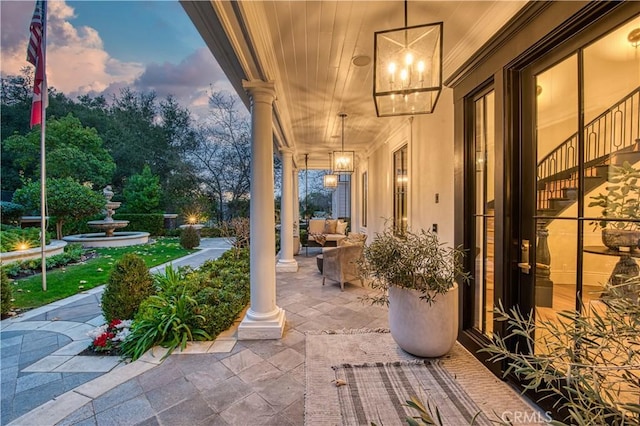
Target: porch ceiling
[307,48]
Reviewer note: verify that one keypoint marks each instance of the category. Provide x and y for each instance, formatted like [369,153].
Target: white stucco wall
[430,172]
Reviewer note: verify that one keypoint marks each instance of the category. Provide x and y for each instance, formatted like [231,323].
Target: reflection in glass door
[484,211]
[557,186]
[400,171]
[586,126]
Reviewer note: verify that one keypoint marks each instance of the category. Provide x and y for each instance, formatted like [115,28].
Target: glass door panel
[557,187]
[484,211]
[401,179]
[611,157]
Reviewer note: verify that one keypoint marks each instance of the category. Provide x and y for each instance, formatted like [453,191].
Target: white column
[264,319]
[296,202]
[286,263]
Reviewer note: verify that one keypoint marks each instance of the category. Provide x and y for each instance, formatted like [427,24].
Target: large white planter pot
[421,329]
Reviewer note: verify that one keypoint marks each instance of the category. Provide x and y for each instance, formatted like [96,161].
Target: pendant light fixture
[330,180]
[343,160]
[407,72]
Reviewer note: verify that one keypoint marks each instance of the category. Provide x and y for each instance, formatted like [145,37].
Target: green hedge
[10,213]
[211,232]
[221,289]
[152,223]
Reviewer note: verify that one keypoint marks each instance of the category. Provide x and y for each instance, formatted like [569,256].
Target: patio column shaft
[296,202]
[286,263]
[264,319]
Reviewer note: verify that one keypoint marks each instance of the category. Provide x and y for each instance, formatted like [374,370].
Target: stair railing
[613,130]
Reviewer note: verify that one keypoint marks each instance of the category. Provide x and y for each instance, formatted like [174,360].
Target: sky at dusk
[99,47]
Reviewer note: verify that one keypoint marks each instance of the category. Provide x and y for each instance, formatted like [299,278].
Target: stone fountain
[109,238]
[108,224]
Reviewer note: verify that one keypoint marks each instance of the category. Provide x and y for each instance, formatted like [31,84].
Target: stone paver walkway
[247,383]
[39,349]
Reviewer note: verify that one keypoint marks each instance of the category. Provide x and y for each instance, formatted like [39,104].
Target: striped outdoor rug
[377,393]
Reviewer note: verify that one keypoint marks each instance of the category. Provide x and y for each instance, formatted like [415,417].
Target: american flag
[36,56]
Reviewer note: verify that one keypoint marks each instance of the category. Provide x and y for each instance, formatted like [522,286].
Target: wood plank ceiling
[307,48]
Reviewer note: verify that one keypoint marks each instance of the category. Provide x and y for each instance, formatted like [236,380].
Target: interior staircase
[610,139]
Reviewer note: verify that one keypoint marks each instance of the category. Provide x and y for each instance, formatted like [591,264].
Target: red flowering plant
[107,337]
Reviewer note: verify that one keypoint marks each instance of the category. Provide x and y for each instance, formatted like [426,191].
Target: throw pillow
[316,226]
[330,226]
[341,227]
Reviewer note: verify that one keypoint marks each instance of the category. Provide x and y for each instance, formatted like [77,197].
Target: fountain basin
[108,225]
[99,239]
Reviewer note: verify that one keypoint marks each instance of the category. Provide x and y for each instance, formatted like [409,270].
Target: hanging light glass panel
[408,69]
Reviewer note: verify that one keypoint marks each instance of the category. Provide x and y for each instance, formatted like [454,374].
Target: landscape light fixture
[343,160]
[407,72]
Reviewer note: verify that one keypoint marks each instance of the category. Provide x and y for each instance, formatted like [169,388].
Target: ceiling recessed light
[361,60]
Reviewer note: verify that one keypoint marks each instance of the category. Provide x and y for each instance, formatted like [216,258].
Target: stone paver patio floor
[235,383]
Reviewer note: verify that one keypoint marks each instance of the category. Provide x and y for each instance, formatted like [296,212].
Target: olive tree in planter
[586,362]
[621,201]
[416,276]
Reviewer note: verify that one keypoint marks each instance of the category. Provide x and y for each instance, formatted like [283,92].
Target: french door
[584,106]
[540,142]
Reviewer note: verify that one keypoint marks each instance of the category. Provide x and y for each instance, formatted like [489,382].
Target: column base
[250,329]
[287,265]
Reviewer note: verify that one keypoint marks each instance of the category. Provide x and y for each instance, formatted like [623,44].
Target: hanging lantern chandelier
[330,180]
[407,70]
[343,160]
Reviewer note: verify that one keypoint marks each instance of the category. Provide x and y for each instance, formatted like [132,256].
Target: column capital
[286,151]
[260,91]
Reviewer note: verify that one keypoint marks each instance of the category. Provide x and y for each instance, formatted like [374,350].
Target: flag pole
[43,197]
[43,162]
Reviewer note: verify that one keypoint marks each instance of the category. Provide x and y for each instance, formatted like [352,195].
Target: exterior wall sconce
[407,72]
[343,161]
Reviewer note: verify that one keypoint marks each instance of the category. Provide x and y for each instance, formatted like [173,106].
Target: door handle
[524,264]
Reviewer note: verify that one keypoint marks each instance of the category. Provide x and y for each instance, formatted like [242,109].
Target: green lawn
[72,279]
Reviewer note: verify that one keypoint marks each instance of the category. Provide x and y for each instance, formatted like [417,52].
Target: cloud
[78,63]
[197,71]
[189,81]
[76,59]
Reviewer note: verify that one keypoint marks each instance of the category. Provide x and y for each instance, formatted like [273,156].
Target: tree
[16,102]
[224,153]
[143,131]
[66,200]
[142,193]
[71,149]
